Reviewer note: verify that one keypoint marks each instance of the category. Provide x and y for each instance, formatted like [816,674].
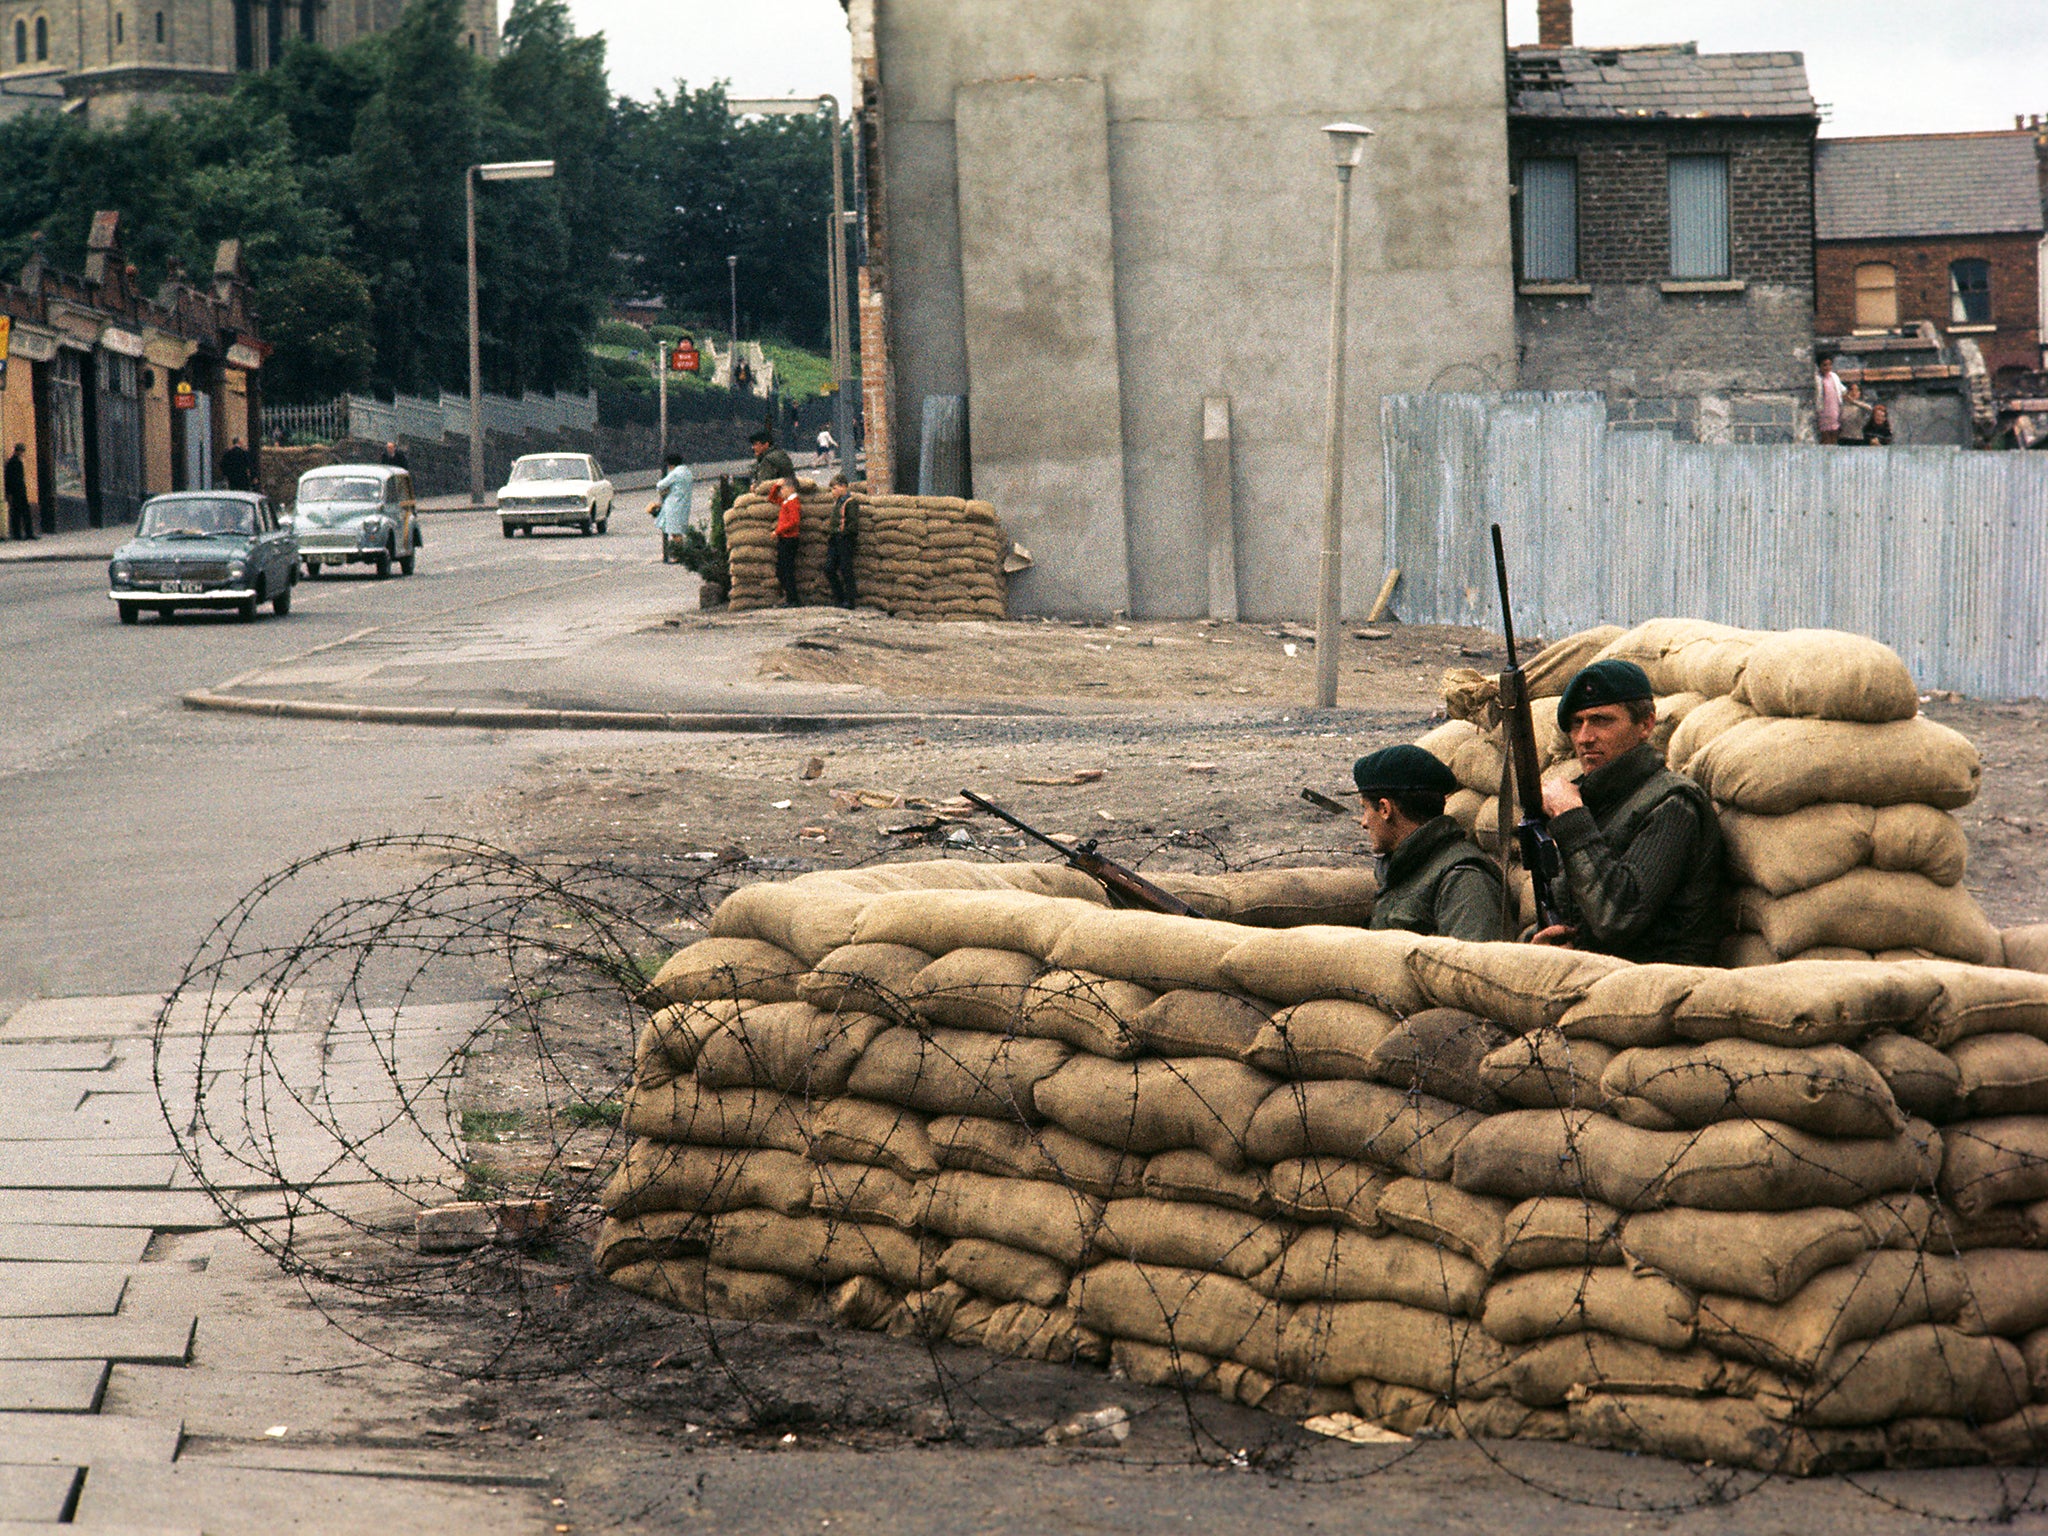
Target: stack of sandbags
[1479,1188]
[931,557]
[750,549]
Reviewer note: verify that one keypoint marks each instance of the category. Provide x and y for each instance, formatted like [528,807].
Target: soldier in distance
[1433,878]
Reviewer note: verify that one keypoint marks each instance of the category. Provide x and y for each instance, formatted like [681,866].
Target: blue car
[205,549]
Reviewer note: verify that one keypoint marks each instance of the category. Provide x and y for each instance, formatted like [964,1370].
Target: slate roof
[1671,81]
[1926,185]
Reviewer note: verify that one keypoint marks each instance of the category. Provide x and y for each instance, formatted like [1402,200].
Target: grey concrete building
[1664,233]
[1108,227]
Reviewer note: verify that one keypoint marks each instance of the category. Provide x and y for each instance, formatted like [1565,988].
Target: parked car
[205,549]
[357,514]
[555,490]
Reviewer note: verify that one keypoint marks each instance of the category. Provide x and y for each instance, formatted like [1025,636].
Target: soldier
[770,462]
[1641,846]
[1433,878]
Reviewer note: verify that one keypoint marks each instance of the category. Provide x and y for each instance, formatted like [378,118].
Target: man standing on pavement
[1641,845]
[394,456]
[674,493]
[236,468]
[1828,401]
[770,462]
[842,537]
[1433,878]
[21,523]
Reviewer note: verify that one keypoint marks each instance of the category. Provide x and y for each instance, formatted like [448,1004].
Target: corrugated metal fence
[1942,554]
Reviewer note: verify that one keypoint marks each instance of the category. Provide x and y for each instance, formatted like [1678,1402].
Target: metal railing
[447,416]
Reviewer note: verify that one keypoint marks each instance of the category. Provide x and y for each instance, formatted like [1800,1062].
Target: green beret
[1403,770]
[1605,682]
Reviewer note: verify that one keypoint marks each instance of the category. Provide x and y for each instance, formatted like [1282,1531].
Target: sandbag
[980,989]
[1004,1273]
[1559,1232]
[1634,1006]
[1022,1330]
[2007,1290]
[1013,1150]
[1630,1304]
[1148,949]
[661,1176]
[1407,1133]
[1024,1213]
[1798,851]
[1877,1293]
[1547,1069]
[2026,948]
[657,1235]
[865,1193]
[1979,1000]
[1818,1003]
[1191,1236]
[2000,1161]
[884,1135]
[1189,1309]
[1325,1039]
[1684,653]
[685,1110]
[1158,1105]
[1197,1023]
[865,978]
[669,1042]
[1773,766]
[820,1252]
[714,1291]
[1920,1372]
[1199,1178]
[1522,986]
[1438,1051]
[1277,898]
[2002,1074]
[1330,1264]
[1826,674]
[956,1072]
[1768,1256]
[1711,720]
[1722,1432]
[791,1046]
[1335,1343]
[1303,964]
[1826,1089]
[940,922]
[1923,1081]
[1869,909]
[1085,1011]
[1563,1369]
[727,968]
[1918,839]
[1334,1189]
[809,917]
[1445,1216]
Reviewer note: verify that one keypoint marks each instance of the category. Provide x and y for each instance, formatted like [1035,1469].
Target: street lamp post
[732,274]
[1347,151]
[503,170]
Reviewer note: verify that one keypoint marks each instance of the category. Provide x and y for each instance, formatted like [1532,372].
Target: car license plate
[184,586]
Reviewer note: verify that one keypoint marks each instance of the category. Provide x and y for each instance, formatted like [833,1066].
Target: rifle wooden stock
[1126,888]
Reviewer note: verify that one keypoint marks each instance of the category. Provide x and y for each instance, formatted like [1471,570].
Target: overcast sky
[1880,66]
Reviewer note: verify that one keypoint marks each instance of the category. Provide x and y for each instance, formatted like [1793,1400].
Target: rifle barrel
[1507,610]
[1026,828]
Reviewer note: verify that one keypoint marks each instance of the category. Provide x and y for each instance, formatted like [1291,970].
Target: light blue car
[357,514]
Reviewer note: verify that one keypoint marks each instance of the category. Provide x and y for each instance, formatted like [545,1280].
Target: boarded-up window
[1699,216]
[1969,288]
[1550,220]
[1877,296]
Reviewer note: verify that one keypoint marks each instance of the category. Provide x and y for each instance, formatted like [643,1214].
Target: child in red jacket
[788,528]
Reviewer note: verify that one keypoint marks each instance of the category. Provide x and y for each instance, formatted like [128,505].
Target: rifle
[1126,888]
[1532,831]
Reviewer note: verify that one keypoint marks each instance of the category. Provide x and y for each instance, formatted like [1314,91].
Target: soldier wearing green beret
[1433,878]
[1641,845]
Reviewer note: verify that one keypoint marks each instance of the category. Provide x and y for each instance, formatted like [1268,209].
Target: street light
[842,317]
[503,170]
[1347,152]
[732,274]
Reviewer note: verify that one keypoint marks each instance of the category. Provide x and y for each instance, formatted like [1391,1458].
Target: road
[136,822]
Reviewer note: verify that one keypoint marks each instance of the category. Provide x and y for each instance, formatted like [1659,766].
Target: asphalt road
[133,823]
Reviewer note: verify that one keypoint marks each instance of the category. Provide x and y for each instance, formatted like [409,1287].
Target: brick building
[1937,228]
[1664,232]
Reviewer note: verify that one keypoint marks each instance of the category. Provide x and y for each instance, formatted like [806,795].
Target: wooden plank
[52,1386]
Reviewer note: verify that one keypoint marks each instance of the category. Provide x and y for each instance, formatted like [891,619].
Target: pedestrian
[674,493]
[788,535]
[770,462]
[21,523]
[237,468]
[842,537]
[1641,845]
[827,446]
[395,457]
[1828,401]
[1433,879]
[1878,434]
[1855,415]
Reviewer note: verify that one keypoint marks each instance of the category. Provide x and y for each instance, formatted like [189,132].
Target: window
[42,39]
[21,42]
[1877,296]
[120,28]
[1550,220]
[1969,291]
[159,26]
[1699,216]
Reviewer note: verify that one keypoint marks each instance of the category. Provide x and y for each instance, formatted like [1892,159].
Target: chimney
[1553,23]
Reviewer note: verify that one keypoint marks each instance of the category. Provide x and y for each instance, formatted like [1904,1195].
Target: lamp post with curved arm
[503,170]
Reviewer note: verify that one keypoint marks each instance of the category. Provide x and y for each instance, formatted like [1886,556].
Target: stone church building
[104,57]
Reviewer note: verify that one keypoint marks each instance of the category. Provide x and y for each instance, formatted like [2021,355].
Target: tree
[316,316]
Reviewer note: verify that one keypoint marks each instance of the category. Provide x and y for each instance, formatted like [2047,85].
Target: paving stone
[134,1015]
[242,1501]
[38,1492]
[86,1439]
[24,1165]
[61,1290]
[164,1210]
[38,1056]
[138,1340]
[58,1244]
[97,1120]
[52,1386]
[36,1528]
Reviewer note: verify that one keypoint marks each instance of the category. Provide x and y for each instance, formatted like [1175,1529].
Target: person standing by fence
[674,493]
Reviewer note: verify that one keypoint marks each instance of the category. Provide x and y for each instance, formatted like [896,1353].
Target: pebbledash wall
[1095,220]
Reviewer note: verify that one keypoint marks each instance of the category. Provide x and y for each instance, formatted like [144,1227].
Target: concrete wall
[1219,195]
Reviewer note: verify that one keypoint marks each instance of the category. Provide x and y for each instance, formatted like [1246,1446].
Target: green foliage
[489,1124]
[622,333]
[316,315]
[799,372]
[584,1116]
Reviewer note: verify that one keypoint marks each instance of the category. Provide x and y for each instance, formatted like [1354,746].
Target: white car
[555,490]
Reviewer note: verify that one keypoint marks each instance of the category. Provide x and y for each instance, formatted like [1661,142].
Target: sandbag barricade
[915,557]
[1479,1189]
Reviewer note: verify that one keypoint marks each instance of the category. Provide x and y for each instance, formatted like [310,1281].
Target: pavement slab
[52,1386]
[138,1341]
[39,1492]
[61,1290]
[60,1244]
[242,1501]
[88,1438]
[165,1210]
